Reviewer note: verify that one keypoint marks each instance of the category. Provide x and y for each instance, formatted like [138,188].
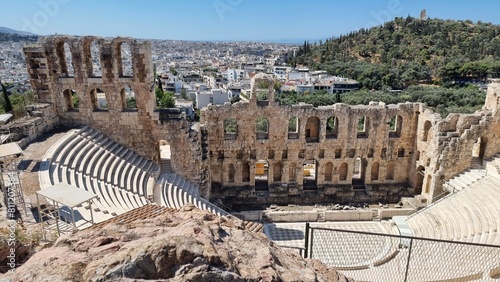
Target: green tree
[164,99]
[7,106]
[261,126]
[184,94]
[75,100]
[173,71]
[131,103]
[230,125]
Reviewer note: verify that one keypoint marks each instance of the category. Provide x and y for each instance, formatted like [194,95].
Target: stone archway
[310,175]
[261,175]
[420,179]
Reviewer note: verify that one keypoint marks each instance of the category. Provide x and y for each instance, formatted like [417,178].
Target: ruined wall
[249,149]
[455,143]
[52,80]
[101,71]
[386,155]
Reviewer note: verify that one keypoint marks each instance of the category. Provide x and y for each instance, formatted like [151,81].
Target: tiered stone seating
[472,214]
[89,160]
[464,180]
[177,192]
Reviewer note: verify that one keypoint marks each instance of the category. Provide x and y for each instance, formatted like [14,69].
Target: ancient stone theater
[338,153]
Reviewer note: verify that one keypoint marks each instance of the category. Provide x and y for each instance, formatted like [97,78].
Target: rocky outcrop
[185,245]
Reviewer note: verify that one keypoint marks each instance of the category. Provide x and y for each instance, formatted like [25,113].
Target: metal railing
[369,256]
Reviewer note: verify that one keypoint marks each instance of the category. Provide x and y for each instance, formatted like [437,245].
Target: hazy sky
[227,19]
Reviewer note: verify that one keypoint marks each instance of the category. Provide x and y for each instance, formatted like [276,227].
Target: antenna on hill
[423,15]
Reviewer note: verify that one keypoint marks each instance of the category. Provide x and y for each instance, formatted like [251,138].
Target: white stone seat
[63,145]
[76,152]
[63,154]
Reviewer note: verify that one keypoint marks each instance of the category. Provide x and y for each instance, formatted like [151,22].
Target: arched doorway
[478,152]
[358,172]
[343,172]
[328,171]
[164,153]
[261,175]
[312,129]
[420,179]
[245,172]
[230,172]
[375,170]
[277,172]
[309,172]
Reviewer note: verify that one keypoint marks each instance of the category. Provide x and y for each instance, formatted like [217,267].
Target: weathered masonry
[258,151]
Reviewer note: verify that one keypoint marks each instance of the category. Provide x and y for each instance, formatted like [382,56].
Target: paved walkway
[356,250]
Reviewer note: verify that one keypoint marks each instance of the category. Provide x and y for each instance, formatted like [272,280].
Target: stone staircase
[464,180]
[166,165]
[476,163]
[493,164]
[470,213]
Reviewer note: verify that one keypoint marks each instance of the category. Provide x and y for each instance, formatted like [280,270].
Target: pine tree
[7,105]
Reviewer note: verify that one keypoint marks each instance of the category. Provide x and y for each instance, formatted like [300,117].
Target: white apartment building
[235,74]
[281,72]
[214,96]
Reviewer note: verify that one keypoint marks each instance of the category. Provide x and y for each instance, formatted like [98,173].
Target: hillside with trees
[409,51]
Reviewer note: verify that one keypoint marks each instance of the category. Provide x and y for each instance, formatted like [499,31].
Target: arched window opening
[332,128]
[293,128]
[362,127]
[95,58]
[126,59]
[230,172]
[328,171]
[99,100]
[71,100]
[395,126]
[312,129]
[69,61]
[230,128]
[61,55]
[343,172]
[277,172]
[383,153]
[427,127]
[374,172]
[262,128]
[128,99]
[370,153]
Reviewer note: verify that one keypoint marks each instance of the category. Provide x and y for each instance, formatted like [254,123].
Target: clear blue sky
[226,19]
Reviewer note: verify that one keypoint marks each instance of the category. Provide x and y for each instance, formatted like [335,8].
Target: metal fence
[368,256]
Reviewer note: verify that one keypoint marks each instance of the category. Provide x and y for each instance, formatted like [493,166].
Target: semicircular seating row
[471,214]
[177,192]
[87,159]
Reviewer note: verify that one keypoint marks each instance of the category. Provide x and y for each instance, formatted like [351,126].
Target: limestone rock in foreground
[187,245]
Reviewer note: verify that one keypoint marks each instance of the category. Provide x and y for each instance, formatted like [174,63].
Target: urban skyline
[226,20]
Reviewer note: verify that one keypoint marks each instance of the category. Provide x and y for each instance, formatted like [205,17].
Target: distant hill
[7,34]
[12,31]
[410,51]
